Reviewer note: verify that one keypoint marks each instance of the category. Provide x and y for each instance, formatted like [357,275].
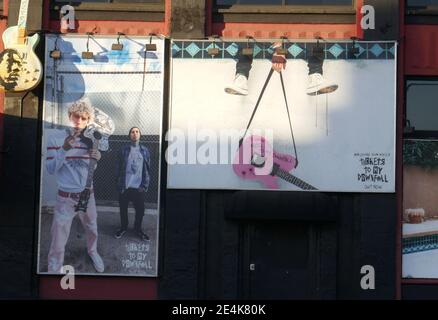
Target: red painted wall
[292,31]
[140,28]
[235,30]
[99,288]
[421,51]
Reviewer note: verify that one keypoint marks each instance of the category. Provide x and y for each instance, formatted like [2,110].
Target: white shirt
[134,168]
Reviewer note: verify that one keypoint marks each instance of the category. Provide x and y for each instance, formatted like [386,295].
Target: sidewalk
[126,256]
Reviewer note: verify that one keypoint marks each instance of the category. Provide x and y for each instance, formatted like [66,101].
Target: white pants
[63,217]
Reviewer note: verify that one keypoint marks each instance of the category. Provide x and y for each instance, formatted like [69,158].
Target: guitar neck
[294,180]
[22,21]
[91,167]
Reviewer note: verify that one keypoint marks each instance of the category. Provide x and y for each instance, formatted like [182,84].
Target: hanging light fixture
[282,50]
[117,46]
[88,54]
[354,50]
[248,51]
[213,51]
[56,53]
[151,46]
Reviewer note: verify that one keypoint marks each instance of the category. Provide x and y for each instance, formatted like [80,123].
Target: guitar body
[20,68]
[82,204]
[244,167]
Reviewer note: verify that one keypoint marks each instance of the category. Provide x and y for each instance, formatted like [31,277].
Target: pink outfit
[63,217]
[71,171]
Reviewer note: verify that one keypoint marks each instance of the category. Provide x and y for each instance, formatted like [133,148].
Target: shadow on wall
[18,198]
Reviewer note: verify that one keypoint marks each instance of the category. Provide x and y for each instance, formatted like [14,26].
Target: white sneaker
[97,262]
[54,267]
[239,86]
[318,85]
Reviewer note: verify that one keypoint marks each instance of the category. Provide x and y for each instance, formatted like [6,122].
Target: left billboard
[100,166]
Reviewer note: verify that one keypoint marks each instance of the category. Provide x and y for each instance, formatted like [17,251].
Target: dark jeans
[137,198]
[315,64]
[244,64]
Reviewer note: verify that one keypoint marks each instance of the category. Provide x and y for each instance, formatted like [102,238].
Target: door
[289,260]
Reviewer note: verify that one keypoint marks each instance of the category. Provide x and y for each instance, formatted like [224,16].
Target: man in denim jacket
[133,182]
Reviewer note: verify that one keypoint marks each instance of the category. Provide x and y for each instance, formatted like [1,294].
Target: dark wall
[387,20]
[19,179]
[210,237]
[18,200]
[419,292]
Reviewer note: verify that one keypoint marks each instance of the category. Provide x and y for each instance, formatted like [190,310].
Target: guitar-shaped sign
[253,154]
[20,68]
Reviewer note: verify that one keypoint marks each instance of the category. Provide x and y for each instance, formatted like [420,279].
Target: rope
[287,110]
[257,105]
[288,116]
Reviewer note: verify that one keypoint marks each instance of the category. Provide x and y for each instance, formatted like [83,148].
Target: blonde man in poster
[68,158]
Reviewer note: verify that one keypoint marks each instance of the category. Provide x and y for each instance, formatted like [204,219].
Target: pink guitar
[254,153]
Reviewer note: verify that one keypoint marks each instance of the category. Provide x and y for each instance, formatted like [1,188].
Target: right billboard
[420,205]
[420,180]
[291,116]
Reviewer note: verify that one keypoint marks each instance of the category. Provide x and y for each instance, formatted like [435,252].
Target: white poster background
[360,119]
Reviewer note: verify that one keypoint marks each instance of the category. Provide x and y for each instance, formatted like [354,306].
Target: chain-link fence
[105,176]
[141,109]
